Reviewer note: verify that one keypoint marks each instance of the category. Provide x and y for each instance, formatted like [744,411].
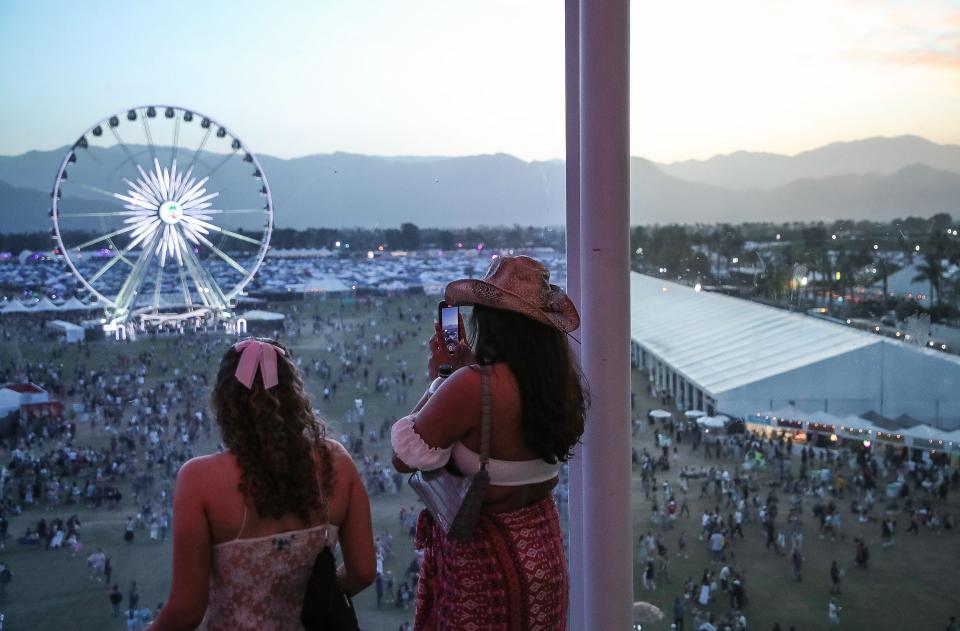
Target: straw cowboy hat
[520,284]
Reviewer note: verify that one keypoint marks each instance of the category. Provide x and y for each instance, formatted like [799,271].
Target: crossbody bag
[455,501]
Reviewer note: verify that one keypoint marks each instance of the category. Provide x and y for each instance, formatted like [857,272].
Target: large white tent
[739,357]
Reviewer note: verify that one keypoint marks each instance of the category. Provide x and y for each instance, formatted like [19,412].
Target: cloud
[913,38]
[946,59]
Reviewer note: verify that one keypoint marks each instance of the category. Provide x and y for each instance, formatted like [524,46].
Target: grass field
[913,585]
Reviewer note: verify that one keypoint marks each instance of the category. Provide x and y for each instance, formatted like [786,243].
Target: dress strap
[484,416]
[243,522]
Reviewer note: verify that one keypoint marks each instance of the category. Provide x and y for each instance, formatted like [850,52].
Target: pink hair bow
[254,353]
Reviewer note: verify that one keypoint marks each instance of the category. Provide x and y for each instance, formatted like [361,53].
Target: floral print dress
[258,584]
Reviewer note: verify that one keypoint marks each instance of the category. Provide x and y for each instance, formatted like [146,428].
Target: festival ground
[910,585]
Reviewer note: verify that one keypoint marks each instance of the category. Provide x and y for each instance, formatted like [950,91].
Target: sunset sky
[426,77]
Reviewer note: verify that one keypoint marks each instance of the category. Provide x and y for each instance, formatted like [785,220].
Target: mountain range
[744,170]
[877,178]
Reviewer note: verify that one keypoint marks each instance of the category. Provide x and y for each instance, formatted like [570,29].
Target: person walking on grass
[133,598]
[678,614]
[797,559]
[648,577]
[833,613]
[115,599]
[834,579]
[5,577]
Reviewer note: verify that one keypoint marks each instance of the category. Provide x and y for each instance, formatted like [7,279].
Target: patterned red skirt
[510,576]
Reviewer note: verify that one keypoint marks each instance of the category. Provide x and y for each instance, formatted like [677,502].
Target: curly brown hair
[273,433]
[553,397]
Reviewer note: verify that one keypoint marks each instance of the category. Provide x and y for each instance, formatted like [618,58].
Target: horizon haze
[875,178]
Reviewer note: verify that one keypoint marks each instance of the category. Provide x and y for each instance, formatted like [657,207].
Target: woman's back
[259,566]
[230,516]
[507,442]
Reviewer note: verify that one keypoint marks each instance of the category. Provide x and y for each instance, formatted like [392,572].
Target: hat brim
[473,291]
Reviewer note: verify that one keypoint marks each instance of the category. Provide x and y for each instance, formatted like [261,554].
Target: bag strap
[485,404]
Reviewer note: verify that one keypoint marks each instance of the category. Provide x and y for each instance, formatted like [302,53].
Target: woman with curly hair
[249,522]
[510,573]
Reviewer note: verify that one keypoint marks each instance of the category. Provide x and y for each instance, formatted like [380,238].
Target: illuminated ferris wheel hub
[170,212]
[163,247]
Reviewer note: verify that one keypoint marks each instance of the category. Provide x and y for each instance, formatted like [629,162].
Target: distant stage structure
[163,215]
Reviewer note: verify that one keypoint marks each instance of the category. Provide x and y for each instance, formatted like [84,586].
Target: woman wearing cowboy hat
[511,573]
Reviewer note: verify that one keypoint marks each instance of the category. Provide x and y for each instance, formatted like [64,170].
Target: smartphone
[449,319]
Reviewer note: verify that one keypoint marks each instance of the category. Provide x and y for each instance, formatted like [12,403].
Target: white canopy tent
[824,418]
[926,437]
[45,304]
[325,284]
[660,414]
[713,422]
[14,306]
[74,304]
[954,438]
[855,427]
[71,333]
[257,315]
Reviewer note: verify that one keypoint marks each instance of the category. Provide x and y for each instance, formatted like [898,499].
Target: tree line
[836,259]
[406,236]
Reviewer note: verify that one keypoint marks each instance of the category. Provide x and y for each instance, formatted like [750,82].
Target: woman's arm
[452,411]
[439,414]
[448,415]
[356,533]
[422,402]
[192,553]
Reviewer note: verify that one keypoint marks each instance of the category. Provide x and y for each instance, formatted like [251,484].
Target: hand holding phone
[448,345]
[449,319]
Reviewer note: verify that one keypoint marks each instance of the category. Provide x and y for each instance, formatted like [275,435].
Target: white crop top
[504,472]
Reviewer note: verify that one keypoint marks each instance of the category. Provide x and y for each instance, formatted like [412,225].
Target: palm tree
[931,270]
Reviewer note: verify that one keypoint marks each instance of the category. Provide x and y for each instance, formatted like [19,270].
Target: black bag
[455,501]
[325,606]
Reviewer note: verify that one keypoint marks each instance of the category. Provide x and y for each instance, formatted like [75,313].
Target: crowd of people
[799,491]
[131,419]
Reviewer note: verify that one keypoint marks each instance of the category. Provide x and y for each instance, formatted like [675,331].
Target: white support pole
[605,298]
[575,495]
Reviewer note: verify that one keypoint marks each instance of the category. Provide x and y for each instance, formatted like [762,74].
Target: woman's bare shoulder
[341,459]
[207,467]
[502,380]
[336,449]
[463,380]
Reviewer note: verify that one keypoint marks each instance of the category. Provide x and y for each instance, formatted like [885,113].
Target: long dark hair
[272,433]
[552,395]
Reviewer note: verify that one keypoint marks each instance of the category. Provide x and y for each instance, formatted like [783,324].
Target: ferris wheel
[162,214]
